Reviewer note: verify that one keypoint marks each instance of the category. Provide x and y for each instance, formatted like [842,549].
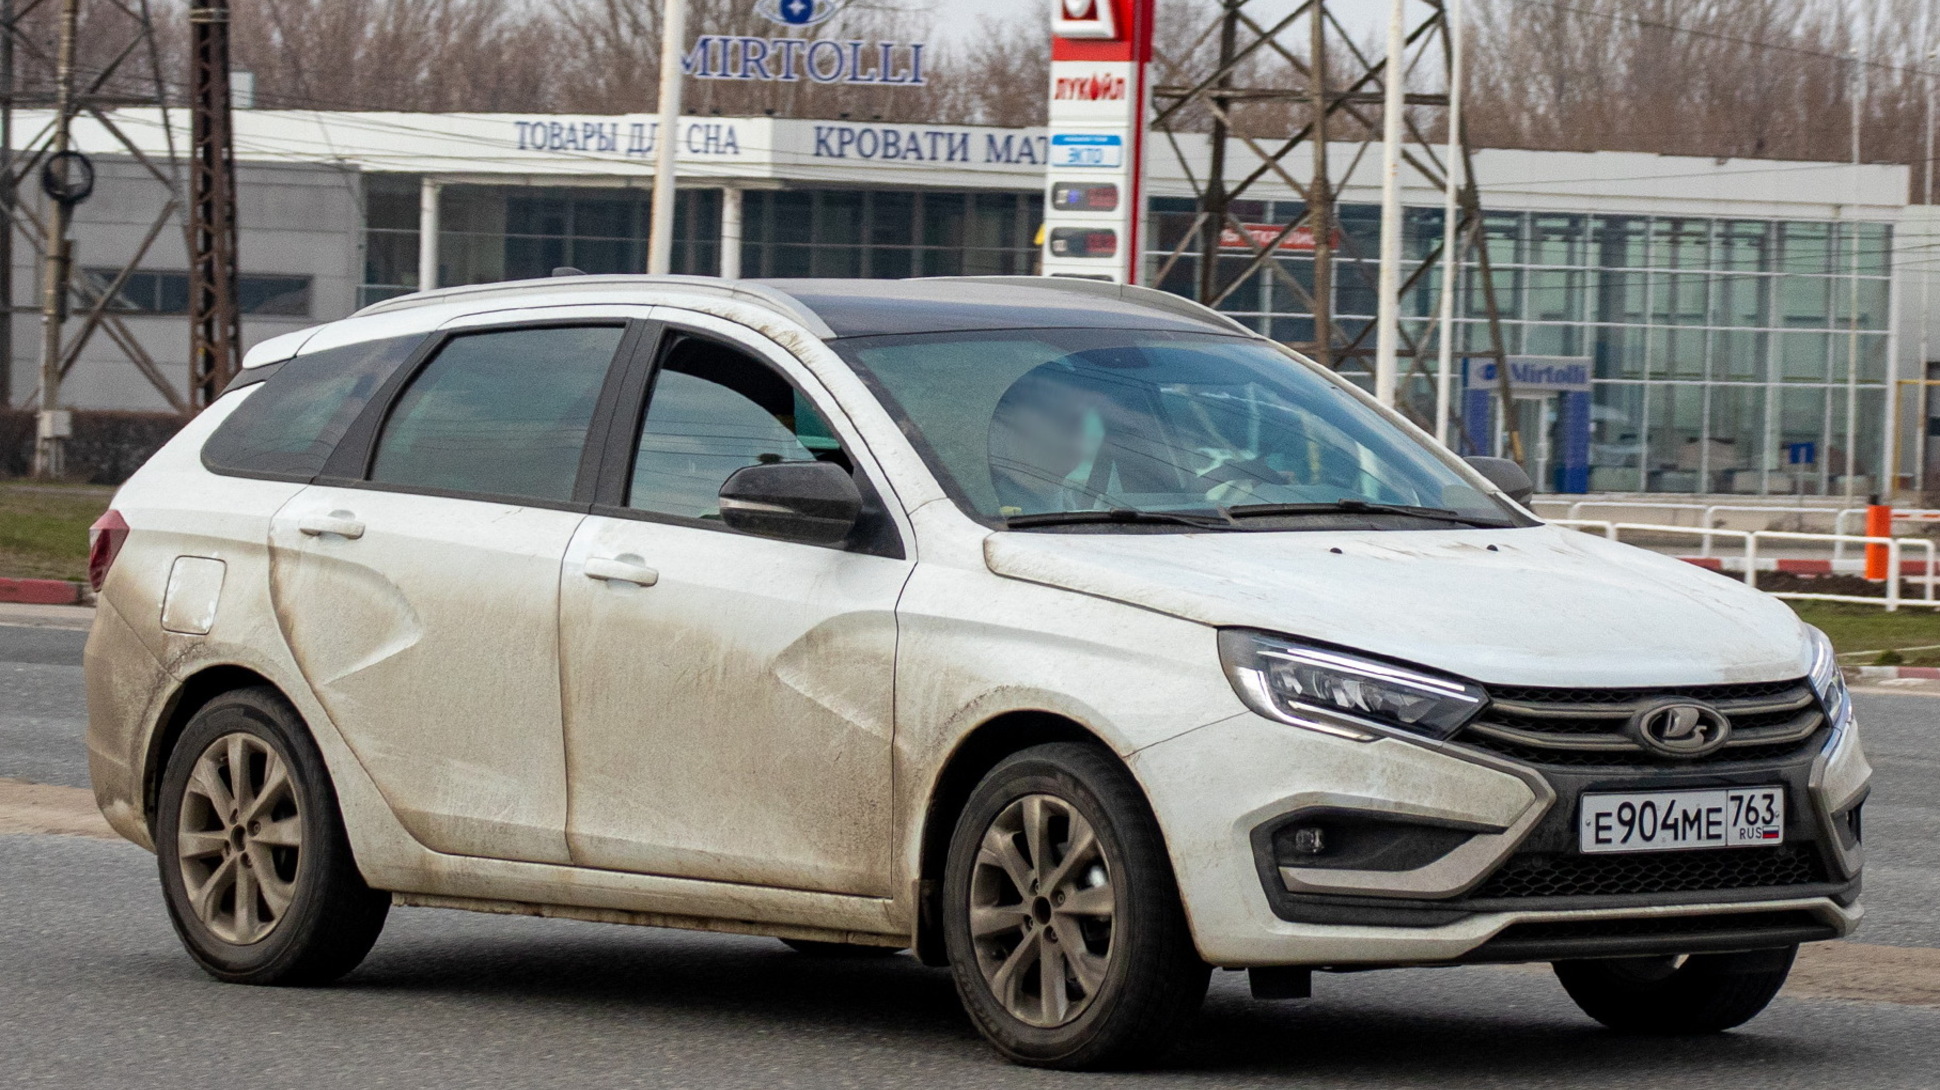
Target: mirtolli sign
[1094,217]
[794,59]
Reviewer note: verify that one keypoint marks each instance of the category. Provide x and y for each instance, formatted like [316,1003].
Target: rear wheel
[1062,917]
[1701,993]
[256,869]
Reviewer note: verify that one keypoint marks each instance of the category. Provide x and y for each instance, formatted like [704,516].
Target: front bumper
[1513,889]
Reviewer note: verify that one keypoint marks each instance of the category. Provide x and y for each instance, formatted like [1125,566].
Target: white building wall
[299,220]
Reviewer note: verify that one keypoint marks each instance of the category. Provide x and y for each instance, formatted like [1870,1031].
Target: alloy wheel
[1042,911]
[239,838]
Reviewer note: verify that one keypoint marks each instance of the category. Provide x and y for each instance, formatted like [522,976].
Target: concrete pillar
[731,232]
[428,193]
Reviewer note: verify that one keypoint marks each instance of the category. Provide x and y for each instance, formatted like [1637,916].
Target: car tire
[256,869]
[1703,993]
[1057,850]
[817,949]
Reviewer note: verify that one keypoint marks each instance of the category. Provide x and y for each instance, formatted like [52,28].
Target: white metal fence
[1750,539]
[1706,516]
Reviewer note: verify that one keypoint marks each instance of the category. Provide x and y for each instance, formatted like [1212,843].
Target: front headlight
[1828,680]
[1337,693]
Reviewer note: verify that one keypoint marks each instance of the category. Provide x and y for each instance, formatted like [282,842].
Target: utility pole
[1852,303]
[7,193]
[1931,56]
[1320,192]
[1388,320]
[58,264]
[215,324]
[1286,90]
[1451,252]
[660,235]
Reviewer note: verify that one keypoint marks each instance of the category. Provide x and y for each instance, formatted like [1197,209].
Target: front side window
[1041,423]
[499,414]
[715,410]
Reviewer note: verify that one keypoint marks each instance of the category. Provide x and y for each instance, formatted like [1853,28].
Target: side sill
[649,919]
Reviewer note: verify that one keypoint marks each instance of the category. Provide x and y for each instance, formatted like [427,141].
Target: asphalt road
[94,990]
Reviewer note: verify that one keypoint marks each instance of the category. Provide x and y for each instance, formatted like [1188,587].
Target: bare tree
[1743,78]
[1722,78]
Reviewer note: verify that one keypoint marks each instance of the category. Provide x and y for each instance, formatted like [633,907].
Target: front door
[728,698]
[421,598]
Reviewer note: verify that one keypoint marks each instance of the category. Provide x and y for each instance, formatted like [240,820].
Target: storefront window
[1693,327]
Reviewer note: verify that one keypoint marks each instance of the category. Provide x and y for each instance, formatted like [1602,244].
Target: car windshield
[1025,426]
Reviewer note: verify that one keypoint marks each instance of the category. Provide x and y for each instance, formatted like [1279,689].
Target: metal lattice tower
[216,330]
[1261,98]
[78,60]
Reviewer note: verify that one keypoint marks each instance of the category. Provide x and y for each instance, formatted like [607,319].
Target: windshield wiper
[1363,507]
[1117,514]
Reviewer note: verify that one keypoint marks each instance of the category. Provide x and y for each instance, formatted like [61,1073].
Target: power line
[1695,32]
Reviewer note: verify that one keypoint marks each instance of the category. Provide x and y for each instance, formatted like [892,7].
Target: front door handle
[621,569]
[341,523]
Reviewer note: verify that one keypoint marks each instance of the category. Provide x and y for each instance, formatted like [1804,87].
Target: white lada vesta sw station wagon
[1068,635]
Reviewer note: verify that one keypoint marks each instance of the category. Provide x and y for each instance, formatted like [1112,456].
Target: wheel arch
[191,696]
[979,751]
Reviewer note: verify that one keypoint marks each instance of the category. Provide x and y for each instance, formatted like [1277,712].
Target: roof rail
[742,291]
[1130,293]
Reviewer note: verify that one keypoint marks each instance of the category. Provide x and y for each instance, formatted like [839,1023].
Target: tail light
[105,538]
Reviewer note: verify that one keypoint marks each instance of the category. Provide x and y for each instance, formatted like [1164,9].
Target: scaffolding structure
[1277,90]
[77,60]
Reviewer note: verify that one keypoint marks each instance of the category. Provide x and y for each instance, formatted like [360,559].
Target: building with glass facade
[1740,322]
[1728,312]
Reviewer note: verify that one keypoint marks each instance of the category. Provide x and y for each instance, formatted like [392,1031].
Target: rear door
[729,698]
[417,581]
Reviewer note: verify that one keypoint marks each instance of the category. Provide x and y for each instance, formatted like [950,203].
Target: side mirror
[815,503]
[1506,475]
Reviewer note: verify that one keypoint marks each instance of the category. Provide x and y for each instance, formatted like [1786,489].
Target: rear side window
[499,414]
[288,427]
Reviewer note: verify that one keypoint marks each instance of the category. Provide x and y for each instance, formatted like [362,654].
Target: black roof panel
[867,308]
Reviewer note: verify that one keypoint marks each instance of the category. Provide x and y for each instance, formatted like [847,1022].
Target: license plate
[1657,821]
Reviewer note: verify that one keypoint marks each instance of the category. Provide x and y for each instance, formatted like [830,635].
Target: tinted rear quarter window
[287,428]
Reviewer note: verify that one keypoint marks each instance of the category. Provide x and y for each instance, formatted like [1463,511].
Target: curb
[41,592]
[1892,673]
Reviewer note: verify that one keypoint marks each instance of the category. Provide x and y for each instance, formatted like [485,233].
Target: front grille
[1585,728]
[1540,874]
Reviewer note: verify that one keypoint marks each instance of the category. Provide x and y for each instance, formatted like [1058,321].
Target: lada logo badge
[1680,728]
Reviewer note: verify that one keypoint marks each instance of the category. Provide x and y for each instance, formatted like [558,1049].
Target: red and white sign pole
[1094,219]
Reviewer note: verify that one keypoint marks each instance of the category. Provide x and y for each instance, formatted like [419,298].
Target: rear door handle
[340,523]
[621,569]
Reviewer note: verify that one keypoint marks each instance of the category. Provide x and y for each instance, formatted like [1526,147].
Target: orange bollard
[1879,523]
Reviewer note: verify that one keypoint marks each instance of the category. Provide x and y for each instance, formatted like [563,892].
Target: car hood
[1533,606]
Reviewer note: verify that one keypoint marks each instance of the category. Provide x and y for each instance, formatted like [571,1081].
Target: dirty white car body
[550,710]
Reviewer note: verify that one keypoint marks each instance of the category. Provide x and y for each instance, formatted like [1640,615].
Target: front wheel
[256,869]
[1062,918]
[1702,993]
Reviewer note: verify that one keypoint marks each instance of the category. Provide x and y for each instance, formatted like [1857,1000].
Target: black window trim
[349,465]
[256,376]
[884,537]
